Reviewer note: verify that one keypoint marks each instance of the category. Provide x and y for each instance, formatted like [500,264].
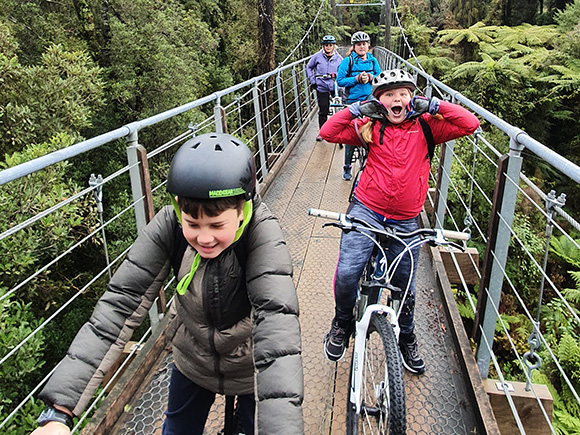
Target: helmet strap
[248,211]
[183,285]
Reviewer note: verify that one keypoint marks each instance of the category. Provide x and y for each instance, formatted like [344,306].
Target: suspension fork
[358,356]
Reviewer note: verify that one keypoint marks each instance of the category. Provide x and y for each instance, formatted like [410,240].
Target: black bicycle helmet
[394,78]
[213,165]
[328,39]
[360,37]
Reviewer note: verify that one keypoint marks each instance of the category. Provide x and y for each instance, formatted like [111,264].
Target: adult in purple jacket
[321,71]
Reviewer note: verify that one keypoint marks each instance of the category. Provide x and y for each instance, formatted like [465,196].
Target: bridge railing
[268,112]
[480,185]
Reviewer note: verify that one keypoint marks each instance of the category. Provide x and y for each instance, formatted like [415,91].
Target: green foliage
[24,422]
[565,249]
[58,96]
[29,249]
[18,373]
[568,18]
[521,269]
[468,12]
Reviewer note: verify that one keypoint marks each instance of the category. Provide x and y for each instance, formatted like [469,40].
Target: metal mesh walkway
[437,401]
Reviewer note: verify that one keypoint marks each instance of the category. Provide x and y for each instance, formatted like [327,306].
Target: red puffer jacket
[396,176]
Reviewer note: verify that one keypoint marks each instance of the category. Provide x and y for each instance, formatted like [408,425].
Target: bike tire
[383,410]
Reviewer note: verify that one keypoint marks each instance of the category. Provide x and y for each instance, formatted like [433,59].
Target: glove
[371,108]
[333,75]
[419,105]
[362,78]
[313,86]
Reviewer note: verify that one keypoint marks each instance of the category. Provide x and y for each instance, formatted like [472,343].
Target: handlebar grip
[325,214]
[457,235]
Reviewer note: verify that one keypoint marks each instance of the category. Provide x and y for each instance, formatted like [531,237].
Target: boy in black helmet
[234,263]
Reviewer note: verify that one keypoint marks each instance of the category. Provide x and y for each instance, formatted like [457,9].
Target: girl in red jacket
[391,190]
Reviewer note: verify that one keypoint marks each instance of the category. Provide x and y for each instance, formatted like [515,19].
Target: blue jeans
[189,405]
[355,251]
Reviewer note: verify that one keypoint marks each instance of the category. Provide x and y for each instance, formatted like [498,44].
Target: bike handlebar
[348,222]
[325,76]
[325,214]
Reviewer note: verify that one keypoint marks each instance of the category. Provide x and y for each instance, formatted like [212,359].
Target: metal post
[135,176]
[296,97]
[282,109]
[259,133]
[306,90]
[501,240]
[428,89]
[387,12]
[219,115]
[142,210]
[443,180]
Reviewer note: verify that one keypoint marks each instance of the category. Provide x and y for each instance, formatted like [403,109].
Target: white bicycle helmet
[394,78]
[360,37]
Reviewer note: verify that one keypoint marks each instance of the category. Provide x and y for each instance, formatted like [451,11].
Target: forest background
[74,69]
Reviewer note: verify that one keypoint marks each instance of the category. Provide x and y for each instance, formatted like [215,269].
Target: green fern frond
[527,35]
[565,249]
[572,294]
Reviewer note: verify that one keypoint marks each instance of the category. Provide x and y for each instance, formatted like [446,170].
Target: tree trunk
[265,36]
[105,56]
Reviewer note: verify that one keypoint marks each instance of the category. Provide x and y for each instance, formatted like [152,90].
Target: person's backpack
[429,137]
[348,73]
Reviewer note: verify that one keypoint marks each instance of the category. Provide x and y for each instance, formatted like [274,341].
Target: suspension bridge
[274,112]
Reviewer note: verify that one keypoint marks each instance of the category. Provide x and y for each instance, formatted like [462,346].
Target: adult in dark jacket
[355,74]
[236,310]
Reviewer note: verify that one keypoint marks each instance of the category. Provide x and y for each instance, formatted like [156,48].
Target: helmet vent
[218,147]
[195,145]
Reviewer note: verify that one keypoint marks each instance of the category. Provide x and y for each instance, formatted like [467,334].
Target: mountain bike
[376,391]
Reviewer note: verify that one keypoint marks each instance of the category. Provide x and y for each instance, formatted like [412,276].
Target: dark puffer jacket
[208,348]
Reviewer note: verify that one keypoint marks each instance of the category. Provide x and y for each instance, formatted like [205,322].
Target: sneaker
[410,354]
[335,341]
[346,175]
[318,138]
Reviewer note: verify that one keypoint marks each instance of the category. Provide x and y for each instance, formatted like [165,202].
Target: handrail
[27,168]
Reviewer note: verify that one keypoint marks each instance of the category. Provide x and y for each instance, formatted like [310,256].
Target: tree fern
[527,35]
[564,248]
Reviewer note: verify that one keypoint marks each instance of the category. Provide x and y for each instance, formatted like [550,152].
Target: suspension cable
[405,37]
[304,37]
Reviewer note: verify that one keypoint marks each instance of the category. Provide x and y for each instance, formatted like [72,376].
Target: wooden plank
[113,406]
[526,404]
[429,201]
[467,262]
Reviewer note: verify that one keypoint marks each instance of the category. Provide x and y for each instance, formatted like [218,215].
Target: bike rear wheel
[383,408]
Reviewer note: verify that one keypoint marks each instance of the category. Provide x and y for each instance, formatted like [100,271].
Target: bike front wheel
[382,392]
